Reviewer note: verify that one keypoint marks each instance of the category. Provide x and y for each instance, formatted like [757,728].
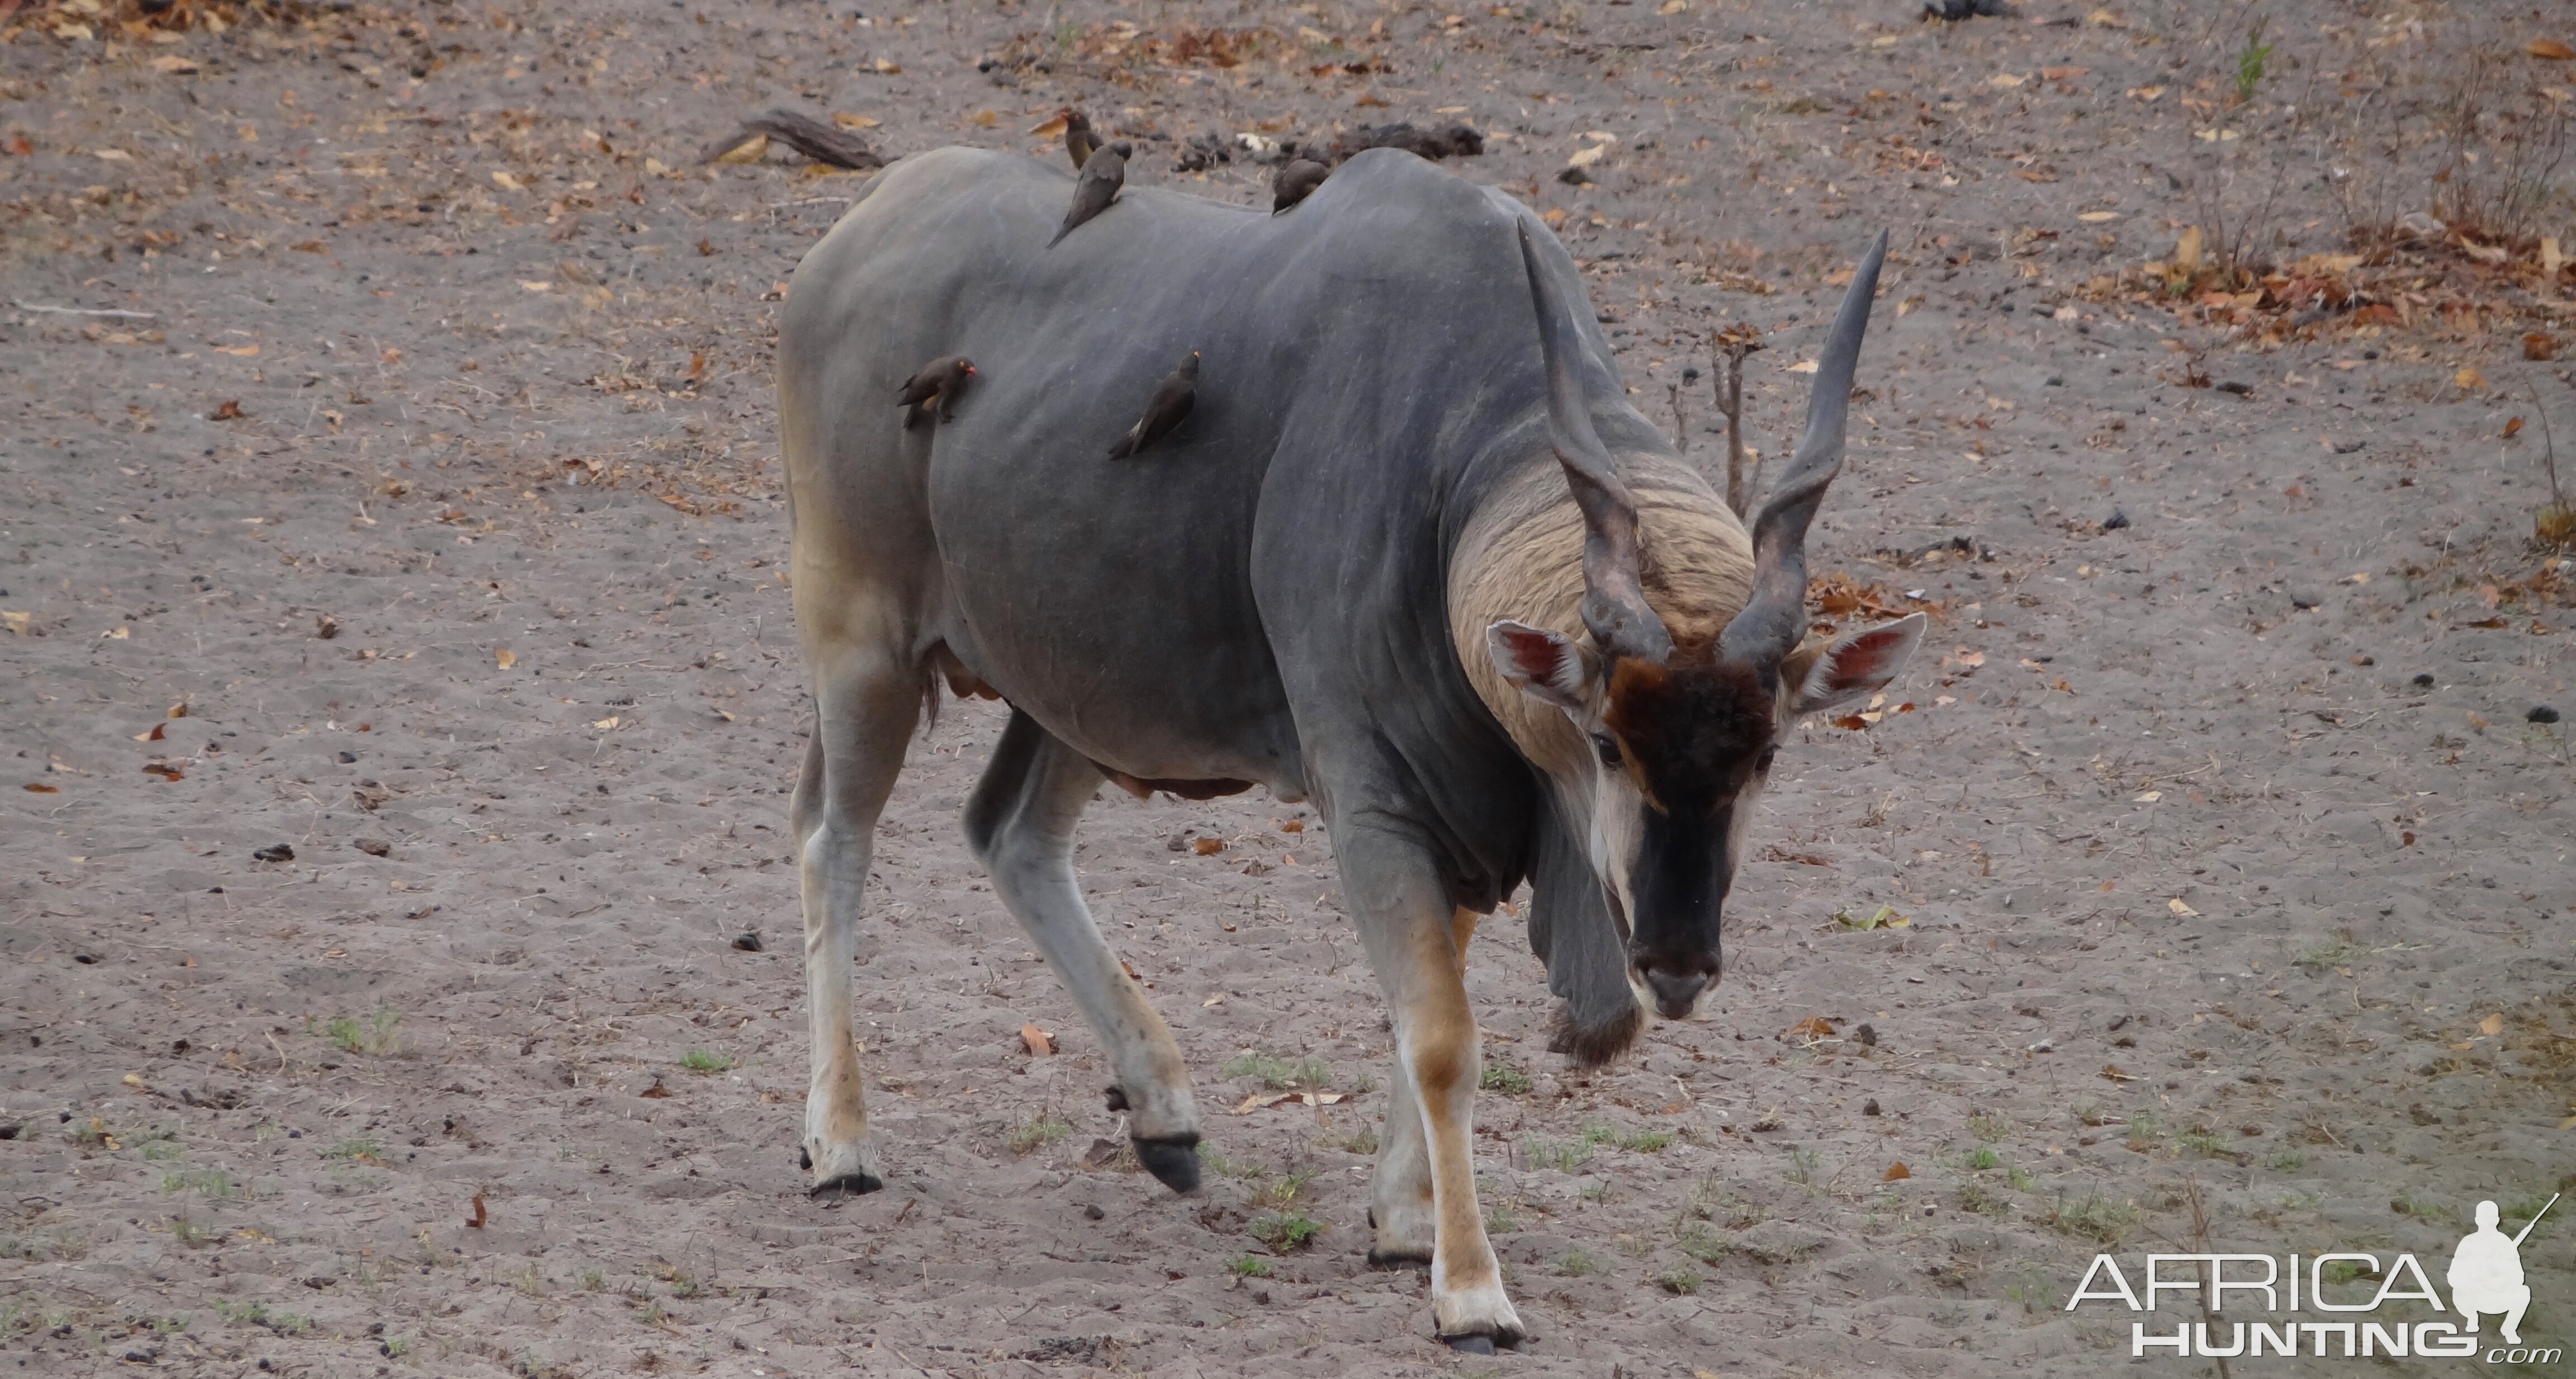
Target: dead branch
[813,138]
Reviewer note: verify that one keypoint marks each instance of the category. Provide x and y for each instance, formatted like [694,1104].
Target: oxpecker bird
[1103,173]
[941,380]
[1079,141]
[1172,403]
[1295,181]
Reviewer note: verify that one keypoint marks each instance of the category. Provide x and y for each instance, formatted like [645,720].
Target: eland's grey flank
[1414,557]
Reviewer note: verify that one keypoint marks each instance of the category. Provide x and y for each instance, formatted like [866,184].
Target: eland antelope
[1412,555]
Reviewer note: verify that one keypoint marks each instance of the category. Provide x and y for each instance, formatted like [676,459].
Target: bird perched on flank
[1172,403]
[940,380]
[1103,173]
[1295,181]
[1079,141]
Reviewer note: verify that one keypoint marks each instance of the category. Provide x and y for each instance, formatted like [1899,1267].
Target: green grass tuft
[1283,1232]
[1037,1132]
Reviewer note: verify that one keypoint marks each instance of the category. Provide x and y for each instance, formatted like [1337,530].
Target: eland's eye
[1762,764]
[1608,747]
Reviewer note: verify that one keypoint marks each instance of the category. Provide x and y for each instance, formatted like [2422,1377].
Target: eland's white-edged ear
[1852,666]
[1547,666]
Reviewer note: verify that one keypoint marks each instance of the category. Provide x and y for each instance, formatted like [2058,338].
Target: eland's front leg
[1417,941]
[864,713]
[1020,824]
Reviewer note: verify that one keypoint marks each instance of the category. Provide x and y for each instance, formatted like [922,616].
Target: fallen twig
[813,138]
[85,311]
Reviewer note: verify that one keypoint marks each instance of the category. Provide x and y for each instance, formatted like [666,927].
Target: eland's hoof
[1469,1345]
[1175,1161]
[1399,1259]
[850,1184]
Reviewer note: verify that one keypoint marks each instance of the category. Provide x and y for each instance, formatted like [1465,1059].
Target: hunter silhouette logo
[2486,1272]
[2343,1304]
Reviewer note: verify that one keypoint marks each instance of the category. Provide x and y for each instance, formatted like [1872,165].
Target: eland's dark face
[1694,742]
[1677,754]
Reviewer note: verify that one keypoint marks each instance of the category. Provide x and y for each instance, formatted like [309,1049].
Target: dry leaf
[239,351]
[608,722]
[1673,7]
[2180,908]
[2549,50]
[657,1091]
[2469,378]
[1207,847]
[2149,797]
[152,734]
[505,658]
[2512,427]
[505,181]
[1813,1027]
[536,286]
[2493,1025]
[1587,156]
[1038,1042]
[1896,1172]
[2540,346]
[1803,366]
[479,1215]
[173,64]
[884,68]
[750,150]
[2097,217]
[1852,722]
[120,634]
[16,621]
[2112,1072]
[2187,248]
[39,788]
[2005,79]
[227,410]
[2063,73]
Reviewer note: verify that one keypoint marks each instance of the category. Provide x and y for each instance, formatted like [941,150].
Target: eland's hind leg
[866,698]
[1020,824]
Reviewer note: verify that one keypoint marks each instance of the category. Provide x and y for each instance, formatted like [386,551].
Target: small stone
[373,847]
[2231,386]
[2115,521]
[2305,599]
[2541,713]
[275,852]
[1867,1035]
[347,758]
[1093,1213]
[1869,1107]
[748,941]
[2057,380]
[2424,679]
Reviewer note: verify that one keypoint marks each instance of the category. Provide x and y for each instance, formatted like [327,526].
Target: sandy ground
[2236,872]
